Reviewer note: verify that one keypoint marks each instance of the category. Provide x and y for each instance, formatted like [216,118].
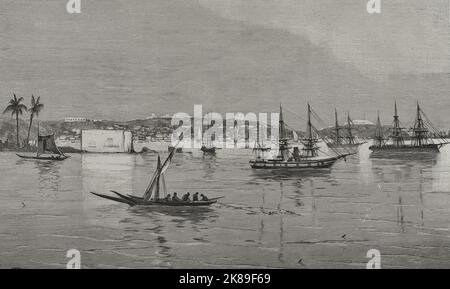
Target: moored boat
[347,141]
[47,150]
[421,139]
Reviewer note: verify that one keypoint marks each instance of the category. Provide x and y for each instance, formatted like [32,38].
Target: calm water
[328,218]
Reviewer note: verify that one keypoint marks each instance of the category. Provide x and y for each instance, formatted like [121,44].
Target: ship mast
[350,137]
[379,139]
[419,130]
[397,136]
[309,143]
[337,128]
[282,142]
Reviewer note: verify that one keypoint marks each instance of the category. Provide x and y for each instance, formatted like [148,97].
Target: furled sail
[153,188]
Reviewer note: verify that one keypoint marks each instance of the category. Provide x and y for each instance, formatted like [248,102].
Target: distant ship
[308,159]
[347,141]
[423,137]
[208,146]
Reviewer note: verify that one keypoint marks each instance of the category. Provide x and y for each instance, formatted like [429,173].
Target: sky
[408,36]
[127,59]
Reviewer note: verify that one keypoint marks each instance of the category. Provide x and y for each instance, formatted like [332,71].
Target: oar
[216,198]
[125,197]
[114,199]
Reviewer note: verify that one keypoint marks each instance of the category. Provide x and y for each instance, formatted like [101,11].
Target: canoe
[138,201]
[49,158]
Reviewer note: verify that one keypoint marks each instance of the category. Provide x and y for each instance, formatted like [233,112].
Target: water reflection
[280,175]
[209,163]
[49,176]
[193,215]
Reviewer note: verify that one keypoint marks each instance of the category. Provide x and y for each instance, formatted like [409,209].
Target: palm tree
[34,110]
[16,107]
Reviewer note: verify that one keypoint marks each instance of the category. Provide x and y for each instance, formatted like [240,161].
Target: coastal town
[151,134]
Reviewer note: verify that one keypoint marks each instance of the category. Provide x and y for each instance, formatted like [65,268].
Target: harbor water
[318,219]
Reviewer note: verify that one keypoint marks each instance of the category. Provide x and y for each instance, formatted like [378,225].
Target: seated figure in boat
[167,198]
[204,198]
[175,197]
[195,197]
[186,197]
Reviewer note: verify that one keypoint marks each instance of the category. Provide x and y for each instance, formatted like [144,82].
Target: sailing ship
[46,150]
[347,141]
[156,191]
[423,138]
[309,158]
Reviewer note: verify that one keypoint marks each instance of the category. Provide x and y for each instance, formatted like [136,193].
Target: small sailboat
[309,158]
[156,191]
[46,150]
[209,147]
[424,137]
[347,141]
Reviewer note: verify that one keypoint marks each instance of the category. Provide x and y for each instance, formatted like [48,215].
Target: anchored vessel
[208,146]
[423,137]
[157,186]
[47,149]
[346,141]
[309,157]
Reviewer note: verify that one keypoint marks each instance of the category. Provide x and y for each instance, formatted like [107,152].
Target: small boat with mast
[309,158]
[208,145]
[347,141]
[424,136]
[156,191]
[46,150]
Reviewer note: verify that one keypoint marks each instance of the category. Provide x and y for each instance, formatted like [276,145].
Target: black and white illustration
[225,134]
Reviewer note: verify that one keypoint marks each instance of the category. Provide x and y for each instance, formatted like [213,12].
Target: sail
[46,144]
[153,188]
[295,135]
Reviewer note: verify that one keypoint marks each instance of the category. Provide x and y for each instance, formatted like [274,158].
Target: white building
[75,119]
[106,141]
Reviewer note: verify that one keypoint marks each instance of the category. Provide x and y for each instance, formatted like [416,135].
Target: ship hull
[293,165]
[406,148]
[211,150]
[331,145]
